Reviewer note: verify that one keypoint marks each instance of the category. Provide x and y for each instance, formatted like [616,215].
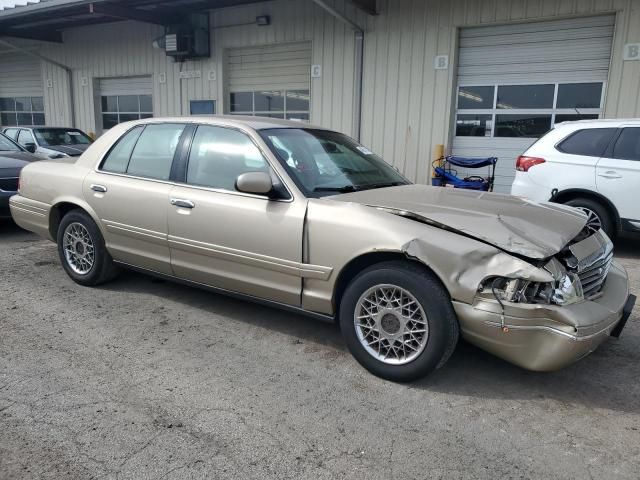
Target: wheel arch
[63,206]
[573,193]
[366,260]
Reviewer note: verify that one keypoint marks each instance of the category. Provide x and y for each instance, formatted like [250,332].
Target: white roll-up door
[126,86]
[515,81]
[270,80]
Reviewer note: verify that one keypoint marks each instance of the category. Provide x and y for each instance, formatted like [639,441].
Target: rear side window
[11,133]
[145,151]
[119,156]
[627,146]
[590,142]
[153,154]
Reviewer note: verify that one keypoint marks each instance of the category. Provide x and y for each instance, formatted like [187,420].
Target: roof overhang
[46,20]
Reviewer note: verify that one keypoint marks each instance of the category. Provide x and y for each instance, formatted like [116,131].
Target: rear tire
[398,321]
[599,216]
[82,250]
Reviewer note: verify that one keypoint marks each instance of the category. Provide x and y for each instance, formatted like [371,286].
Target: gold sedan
[307,219]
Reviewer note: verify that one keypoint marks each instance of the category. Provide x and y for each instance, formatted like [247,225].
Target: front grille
[591,260]
[593,276]
[9,184]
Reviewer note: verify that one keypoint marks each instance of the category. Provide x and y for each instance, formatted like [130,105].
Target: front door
[130,194]
[223,238]
[618,174]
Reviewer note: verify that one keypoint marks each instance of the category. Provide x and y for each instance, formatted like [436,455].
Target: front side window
[324,163]
[25,138]
[53,137]
[22,111]
[524,111]
[220,155]
[123,108]
[627,146]
[590,142]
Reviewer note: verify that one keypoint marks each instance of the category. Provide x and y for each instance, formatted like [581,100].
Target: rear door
[618,173]
[130,194]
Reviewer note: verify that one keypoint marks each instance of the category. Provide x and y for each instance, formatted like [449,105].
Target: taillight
[524,163]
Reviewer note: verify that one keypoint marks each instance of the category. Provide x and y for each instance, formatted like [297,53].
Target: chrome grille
[593,257]
[9,184]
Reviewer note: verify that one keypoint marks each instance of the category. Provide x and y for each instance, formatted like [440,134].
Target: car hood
[72,150]
[13,160]
[519,226]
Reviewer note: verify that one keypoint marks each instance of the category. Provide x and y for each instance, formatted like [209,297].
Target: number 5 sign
[631,51]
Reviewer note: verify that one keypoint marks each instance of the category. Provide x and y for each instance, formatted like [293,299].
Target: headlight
[565,291]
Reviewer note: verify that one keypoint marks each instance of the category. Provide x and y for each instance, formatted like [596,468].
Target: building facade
[482,77]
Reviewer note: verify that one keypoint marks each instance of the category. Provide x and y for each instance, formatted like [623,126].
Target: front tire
[82,250]
[398,321]
[599,217]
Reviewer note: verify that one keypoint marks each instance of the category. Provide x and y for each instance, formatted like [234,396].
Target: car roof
[610,122]
[256,123]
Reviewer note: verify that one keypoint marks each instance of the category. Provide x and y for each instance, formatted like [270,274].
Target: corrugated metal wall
[20,75]
[408,104]
[124,49]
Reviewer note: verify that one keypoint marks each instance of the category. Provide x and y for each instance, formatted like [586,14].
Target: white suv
[593,165]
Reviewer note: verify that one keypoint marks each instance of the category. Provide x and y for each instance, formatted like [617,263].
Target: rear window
[590,142]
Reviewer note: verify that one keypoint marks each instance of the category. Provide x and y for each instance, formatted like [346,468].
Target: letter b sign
[632,51]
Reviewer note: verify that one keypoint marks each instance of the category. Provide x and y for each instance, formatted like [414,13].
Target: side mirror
[257,183]
[31,147]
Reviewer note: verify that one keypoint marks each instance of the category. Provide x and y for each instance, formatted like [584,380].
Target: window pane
[475,97]
[153,154]
[270,115]
[590,142]
[146,103]
[268,101]
[146,115]
[579,95]
[241,102]
[628,145]
[572,118]
[128,103]
[109,120]
[525,126]
[25,119]
[38,119]
[109,104]
[473,125]
[37,104]
[303,117]
[23,104]
[7,104]
[118,157]
[202,107]
[127,117]
[219,155]
[525,96]
[9,119]
[298,100]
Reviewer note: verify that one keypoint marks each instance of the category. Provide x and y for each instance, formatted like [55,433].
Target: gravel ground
[142,379]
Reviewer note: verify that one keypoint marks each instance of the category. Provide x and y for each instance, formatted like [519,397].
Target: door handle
[182,203]
[98,188]
[610,174]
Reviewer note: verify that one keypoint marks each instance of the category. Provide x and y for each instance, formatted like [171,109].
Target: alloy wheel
[79,250]
[594,223]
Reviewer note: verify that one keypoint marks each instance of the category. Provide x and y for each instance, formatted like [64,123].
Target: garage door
[125,98]
[516,81]
[270,80]
[21,90]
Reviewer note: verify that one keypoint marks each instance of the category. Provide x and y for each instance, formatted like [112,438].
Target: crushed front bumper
[548,337]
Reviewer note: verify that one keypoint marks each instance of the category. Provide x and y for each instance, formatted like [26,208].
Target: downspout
[359,65]
[55,63]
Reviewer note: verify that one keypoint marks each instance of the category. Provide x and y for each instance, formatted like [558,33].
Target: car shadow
[605,379]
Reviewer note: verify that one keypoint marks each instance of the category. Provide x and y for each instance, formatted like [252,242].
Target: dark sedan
[12,158]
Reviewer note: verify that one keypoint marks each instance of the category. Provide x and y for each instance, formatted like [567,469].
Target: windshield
[52,137]
[325,163]
[7,145]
